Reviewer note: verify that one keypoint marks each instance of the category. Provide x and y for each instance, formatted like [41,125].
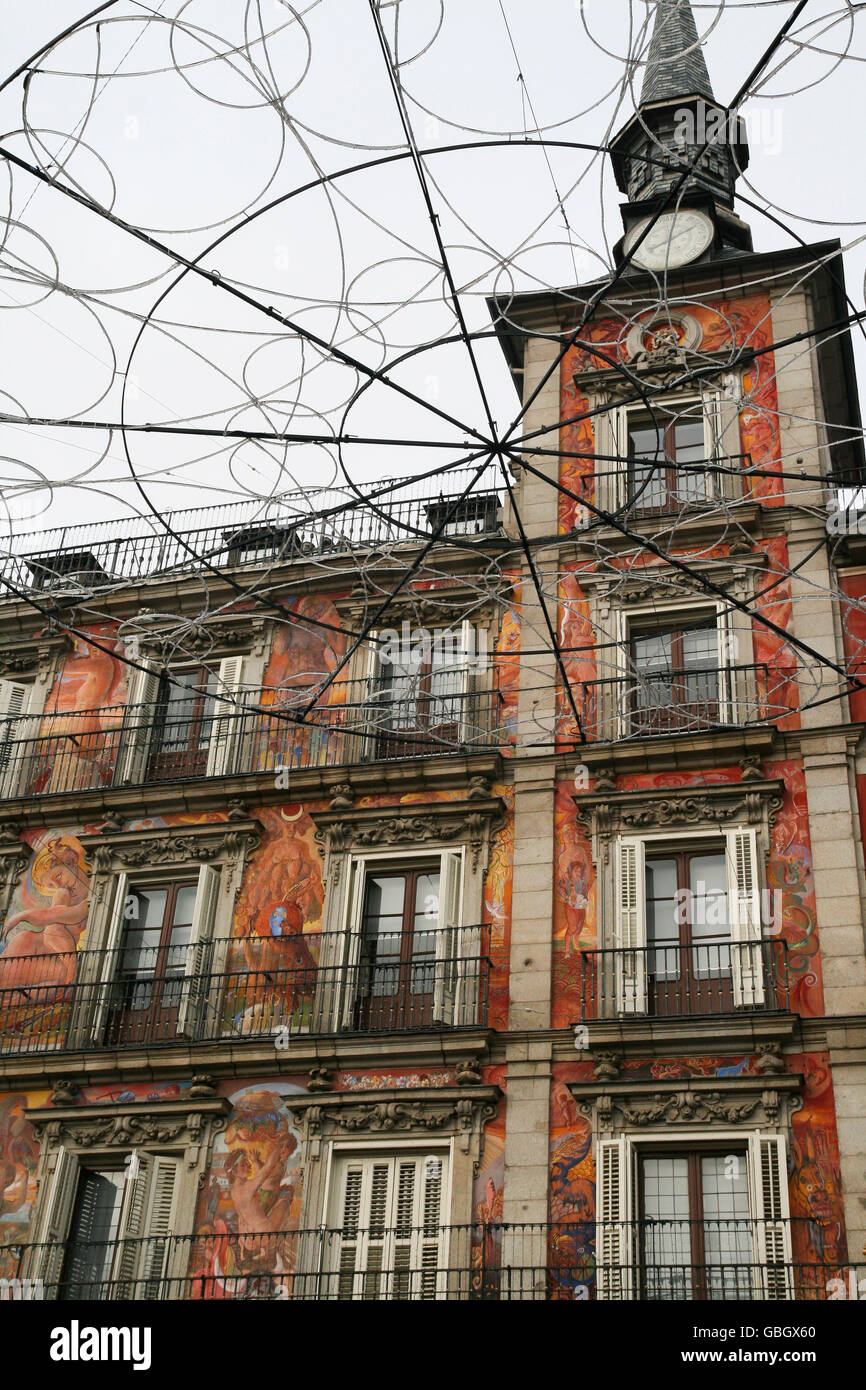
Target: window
[404,957]
[152,965]
[398,948]
[422,693]
[386,1213]
[695,1226]
[109,1227]
[681,1221]
[676,681]
[182,723]
[660,452]
[155,978]
[687,930]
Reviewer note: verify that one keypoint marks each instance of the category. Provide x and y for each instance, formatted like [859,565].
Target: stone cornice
[755,801]
[460,1111]
[174,1123]
[692,1101]
[215,793]
[135,849]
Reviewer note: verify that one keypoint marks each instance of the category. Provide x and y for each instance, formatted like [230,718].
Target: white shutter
[15,700]
[99,979]
[196,977]
[744,914]
[722,437]
[725,636]
[611,438]
[138,724]
[227,719]
[769,1181]
[630,928]
[146,1223]
[614,1217]
[347,980]
[53,1228]
[451,983]
[388,1219]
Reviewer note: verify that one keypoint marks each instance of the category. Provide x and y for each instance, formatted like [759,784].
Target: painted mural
[305,650]
[817,1208]
[83,716]
[244,1244]
[488,1192]
[41,938]
[572,1190]
[19,1156]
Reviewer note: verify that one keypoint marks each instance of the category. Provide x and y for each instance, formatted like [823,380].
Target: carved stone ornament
[188,1124]
[468,1072]
[462,1112]
[33,657]
[606,814]
[606,1065]
[374,827]
[227,635]
[199,844]
[617,1106]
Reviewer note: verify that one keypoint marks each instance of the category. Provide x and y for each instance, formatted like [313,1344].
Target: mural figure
[244,1246]
[39,942]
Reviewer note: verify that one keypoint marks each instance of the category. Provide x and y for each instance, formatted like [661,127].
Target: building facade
[470,905]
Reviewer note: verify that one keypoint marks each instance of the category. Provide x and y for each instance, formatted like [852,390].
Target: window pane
[666,1232]
[382,928]
[727,1230]
[662,927]
[142,931]
[426,922]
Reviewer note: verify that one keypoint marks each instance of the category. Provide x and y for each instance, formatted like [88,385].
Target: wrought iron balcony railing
[131,997]
[650,704]
[89,750]
[708,976]
[646,488]
[494,1261]
[324,521]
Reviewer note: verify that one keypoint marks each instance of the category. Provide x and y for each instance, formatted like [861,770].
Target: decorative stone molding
[621,1106]
[241,632]
[34,658]
[228,843]
[605,814]
[660,335]
[186,1125]
[447,1111]
[374,827]
[15,855]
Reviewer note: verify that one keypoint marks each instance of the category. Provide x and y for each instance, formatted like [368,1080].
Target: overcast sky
[179,137]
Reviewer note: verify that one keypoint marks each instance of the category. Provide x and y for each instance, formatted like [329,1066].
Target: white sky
[176,151]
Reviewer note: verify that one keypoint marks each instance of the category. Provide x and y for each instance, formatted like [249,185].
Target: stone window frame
[105,1134]
[145,857]
[390,1121]
[393,834]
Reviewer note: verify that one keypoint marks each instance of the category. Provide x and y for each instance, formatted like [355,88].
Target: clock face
[675,239]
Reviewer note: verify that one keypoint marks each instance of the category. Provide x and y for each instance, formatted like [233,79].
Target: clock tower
[677,117]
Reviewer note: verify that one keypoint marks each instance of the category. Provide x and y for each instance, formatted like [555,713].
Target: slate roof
[675,62]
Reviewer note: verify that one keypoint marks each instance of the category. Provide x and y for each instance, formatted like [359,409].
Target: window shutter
[138,724]
[100,984]
[769,1181]
[451,982]
[724,630]
[146,1223]
[227,719]
[611,439]
[54,1227]
[389,1217]
[722,438]
[614,1236]
[196,976]
[744,913]
[15,700]
[347,982]
[630,927]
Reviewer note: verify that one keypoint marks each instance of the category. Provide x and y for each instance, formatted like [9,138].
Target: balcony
[123,999]
[480,1262]
[304,524]
[117,746]
[696,981]
[650,489]
[697,700]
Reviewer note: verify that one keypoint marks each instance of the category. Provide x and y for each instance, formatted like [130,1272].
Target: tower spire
[675,63]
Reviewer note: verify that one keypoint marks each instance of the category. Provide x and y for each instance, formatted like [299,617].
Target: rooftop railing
[311,523]
[494,1261]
